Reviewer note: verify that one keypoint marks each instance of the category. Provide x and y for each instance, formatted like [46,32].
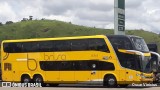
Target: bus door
[127,74]
[94,74]
[131,66]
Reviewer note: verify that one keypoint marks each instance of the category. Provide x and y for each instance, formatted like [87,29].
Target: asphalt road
[79,87]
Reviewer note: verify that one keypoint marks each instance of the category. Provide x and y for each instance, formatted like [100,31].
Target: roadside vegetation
[26,29]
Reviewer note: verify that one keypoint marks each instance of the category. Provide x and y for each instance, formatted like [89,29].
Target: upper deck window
[97,44]
[120,42]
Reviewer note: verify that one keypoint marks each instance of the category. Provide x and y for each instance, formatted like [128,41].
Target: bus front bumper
[146,80]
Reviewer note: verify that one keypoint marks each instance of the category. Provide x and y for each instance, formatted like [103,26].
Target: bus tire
[110,81]
[25,79]
[39,79]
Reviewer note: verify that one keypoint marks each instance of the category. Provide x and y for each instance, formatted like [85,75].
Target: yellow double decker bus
[109,60]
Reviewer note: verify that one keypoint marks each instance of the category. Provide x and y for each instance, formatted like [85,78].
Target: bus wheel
[38,79]
[110,81]
[25,79]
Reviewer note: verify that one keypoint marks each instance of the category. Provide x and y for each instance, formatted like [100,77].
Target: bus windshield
[146,65]
[140,44]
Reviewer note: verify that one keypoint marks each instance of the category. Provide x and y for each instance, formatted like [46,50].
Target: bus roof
[128,36]
[55,38]
[66,38]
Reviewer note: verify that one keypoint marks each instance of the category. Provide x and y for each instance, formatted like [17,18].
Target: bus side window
[7,47]
[19,47]
[64,65]
[81,65]
[12,47]
[98,45]
[30,46]
[46,46]
[130,64]
[120,43]
[62,45]
[93,65]
[106,66]
[79,45]
[49,65]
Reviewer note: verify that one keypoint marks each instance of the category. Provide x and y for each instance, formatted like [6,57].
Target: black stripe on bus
[97,44]
[80,65]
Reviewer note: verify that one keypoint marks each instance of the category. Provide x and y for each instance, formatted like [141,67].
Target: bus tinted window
[120,42]
[129,61]
[153,47]
[46,46]
[98,44]
[13,47]
[62,45]
[30,46]
[49,65]
[107,66]
[64,65]
[78,45]
[57,45]
[79,65]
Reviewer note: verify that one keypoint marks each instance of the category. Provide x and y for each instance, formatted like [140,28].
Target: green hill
[53,28]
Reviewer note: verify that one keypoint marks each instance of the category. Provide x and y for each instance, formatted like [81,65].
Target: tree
[1,24]
[43,19]
[9,22]
[70,22]
[24,19]
[30,17]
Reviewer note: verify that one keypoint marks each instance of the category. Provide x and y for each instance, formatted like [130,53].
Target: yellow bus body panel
[28,63]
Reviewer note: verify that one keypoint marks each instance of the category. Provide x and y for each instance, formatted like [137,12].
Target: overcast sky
[140,14]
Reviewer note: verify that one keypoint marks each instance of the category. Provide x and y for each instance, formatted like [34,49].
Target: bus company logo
[10,84]
[6,84]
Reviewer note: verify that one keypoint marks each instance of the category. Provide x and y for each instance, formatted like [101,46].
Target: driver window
[130,64]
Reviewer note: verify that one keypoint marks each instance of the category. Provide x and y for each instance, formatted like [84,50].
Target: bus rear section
[83,59]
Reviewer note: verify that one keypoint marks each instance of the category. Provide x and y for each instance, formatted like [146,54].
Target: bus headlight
[142,76]
[138,74]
